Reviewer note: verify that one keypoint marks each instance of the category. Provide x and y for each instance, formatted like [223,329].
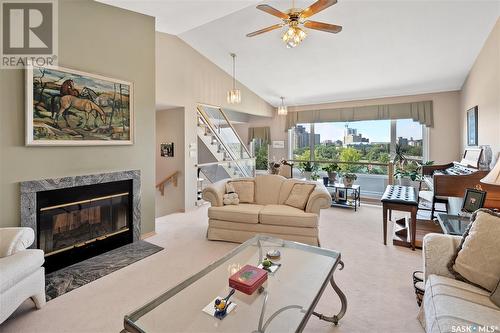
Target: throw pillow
[299,195]
[231,199]
[477,258]
[229,188]
[245,190]
[495,296]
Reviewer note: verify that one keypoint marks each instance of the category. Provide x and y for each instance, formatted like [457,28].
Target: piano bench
[400,198]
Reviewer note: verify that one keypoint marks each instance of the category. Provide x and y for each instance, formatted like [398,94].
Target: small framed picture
[167,149]
[341,194]
[472,126]
[473,200]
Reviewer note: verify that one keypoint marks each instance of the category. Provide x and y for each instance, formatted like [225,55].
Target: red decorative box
[248,279]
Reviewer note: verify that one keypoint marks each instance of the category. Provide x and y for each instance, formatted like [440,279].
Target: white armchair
[21,273]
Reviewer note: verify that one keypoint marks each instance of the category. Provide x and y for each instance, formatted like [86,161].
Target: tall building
[301,137]
[351,136]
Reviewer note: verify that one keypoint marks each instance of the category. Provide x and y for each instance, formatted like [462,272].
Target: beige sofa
[450,305]
[268,214]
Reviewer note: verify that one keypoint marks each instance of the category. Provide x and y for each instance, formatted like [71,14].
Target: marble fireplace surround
[30,188]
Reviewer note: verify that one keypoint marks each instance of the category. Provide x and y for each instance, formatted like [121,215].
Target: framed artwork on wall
[167,149]
[472,126]
[65,107]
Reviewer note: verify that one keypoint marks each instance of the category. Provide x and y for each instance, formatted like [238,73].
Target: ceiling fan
[296,17]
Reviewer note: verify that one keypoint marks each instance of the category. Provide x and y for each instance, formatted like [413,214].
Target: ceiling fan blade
[261,31]
[317,7]
[273,11]
[323,26]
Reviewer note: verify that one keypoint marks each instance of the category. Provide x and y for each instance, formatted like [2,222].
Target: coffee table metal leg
[343,299]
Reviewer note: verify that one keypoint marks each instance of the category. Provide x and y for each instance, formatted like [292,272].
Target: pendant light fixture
[234,95]
[282,109]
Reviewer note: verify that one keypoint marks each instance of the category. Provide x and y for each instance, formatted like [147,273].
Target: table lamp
[493,177]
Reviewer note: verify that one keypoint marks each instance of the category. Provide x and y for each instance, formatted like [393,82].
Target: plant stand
[345,196]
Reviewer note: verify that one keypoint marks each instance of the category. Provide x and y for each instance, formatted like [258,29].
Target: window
[409,136]
[375,140]
[261,153]
[300,142]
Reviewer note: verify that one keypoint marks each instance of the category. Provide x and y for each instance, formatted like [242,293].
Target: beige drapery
[418,111]
[263,133]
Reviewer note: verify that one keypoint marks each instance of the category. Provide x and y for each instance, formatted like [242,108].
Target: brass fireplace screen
[75,224]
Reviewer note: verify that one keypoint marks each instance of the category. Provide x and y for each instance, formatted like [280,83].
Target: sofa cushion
[299,195]
[267,189]
[245,190]
[287,216]
[477,259]
[245,213]
[450,303]
[263,228]
[16,267]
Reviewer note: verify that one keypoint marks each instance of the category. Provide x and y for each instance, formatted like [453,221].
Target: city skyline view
[375,131]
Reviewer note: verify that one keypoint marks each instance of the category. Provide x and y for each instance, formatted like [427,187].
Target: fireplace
[79,222]
[76,218]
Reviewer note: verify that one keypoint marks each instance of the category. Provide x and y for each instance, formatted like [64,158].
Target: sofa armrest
[319,198]
[13,240]
[214,193]
[437,252]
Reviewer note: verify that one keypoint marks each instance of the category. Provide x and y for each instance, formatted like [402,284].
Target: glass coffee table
[286,303]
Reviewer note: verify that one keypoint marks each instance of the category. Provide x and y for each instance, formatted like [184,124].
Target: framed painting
[472,126]
[167,149]
[69,107]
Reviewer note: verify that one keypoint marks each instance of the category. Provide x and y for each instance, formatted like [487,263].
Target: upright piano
[452,179]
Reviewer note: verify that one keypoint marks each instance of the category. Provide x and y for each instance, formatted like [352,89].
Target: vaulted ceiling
[386,48]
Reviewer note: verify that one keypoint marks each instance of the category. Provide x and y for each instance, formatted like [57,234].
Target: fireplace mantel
[30,188]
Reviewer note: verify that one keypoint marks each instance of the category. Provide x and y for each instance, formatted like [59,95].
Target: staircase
[229,156]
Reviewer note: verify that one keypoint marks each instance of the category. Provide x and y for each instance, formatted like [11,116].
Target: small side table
[453,224]
[401,198]
[345,196]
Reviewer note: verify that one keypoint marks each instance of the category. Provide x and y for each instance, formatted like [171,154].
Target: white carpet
[376,278]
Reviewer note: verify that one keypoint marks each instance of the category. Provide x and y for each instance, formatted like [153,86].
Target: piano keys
[452,179]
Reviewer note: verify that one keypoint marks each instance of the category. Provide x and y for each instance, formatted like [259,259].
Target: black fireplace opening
[76,223]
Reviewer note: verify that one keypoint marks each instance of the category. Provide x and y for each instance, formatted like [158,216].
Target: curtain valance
[418,111]
[263,133]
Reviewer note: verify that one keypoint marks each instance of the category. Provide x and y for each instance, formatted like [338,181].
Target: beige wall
[443,137]
[277,124]
[170,128]
[99,39]
[183,78]
[482,88]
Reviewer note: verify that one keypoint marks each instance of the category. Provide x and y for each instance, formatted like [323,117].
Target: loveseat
[450,305]
[267,213]
[21,272]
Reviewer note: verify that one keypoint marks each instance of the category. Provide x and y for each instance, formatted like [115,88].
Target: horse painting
[85,105]
[95,110]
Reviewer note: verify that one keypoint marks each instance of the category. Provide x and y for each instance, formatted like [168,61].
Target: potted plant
[349,179]
[332,169]
[314,175]
[408,173]
[307,169]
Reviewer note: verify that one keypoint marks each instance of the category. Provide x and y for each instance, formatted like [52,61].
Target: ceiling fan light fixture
[282,109]
[234,95]
[293,36]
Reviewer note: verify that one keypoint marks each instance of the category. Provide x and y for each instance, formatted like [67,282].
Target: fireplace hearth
[76,218]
